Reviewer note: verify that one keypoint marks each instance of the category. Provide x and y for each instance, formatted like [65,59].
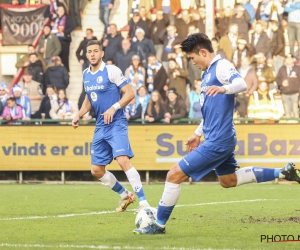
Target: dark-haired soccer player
[220,82]
[103,84]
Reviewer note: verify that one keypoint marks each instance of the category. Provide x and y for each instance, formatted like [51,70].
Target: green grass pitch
[207,217]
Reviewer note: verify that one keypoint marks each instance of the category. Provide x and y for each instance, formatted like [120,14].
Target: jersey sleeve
[231,79]
[116,76]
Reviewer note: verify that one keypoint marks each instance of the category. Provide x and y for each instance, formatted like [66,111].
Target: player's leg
[122,152]
[134,179]
[101,156]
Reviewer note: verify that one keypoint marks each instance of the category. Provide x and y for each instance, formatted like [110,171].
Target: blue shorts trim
[110,142]
[206,158]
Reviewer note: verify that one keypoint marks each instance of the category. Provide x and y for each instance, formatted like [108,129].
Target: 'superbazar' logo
[93,87]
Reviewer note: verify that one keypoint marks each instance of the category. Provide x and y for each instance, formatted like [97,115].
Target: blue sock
[163,214]
[264,174]
[140,194]
[118,188]
[277,171]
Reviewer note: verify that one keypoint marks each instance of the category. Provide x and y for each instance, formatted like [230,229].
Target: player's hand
[192,142]
[214,90]
[108,115]
[75,122]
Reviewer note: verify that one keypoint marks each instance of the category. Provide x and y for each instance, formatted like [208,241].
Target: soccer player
[220,82]
[103,84]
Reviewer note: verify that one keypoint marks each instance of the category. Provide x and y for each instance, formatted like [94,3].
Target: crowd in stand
[262,43]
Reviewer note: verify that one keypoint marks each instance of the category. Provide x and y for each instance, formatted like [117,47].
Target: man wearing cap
[143,46]
[22,100]
[243,50]
[175,107]
[3,96]
[49,45]
[33,90]
[288,80]
[259,39]
[135,23]
[242,19]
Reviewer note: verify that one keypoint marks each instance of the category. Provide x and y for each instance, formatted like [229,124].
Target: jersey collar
[101,68]
[216,58]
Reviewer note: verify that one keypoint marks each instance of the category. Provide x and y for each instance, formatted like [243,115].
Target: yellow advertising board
[155,147]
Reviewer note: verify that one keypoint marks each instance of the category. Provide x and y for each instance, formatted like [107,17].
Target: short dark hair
[33,54]
[94,42]
[89,29]
[11,99]
[215,40]
[30,45]
[195,42]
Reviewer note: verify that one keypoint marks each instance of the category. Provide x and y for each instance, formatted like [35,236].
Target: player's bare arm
[127,97]
[86,107]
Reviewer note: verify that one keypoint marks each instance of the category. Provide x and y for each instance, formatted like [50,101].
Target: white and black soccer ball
[145,216]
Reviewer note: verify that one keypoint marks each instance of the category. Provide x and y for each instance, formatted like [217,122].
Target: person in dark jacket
[36,68]
[143,46]
[182,24]
[56,75]
[175,106]
[157,30]
[133,110]
[135,23]
[112,42]
[51,10]
[260,40]
[124,55]
[243,50]
[47,103]
[81,51]
[223,22]
[242,19]
[155,109]
[62,27]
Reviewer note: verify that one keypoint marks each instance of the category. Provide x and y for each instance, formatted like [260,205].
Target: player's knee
[97,172]
[227,184]
[123,161]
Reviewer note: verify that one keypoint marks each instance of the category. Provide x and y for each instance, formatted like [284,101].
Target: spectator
[262,103]
[288,80]
[274,10]
[105,9]
[62,27]
[3,95]
[179,57]
[261,11]
[182,24]
[171,8]
[156,76]
[202,20]
[250,77]
[33,90]
[262,69]
[112,42]
[293,8]
[277,45]
[192,29]
[216,47]
[228,43]
[49,45]
[143,46]
[177,78]
[135,73]
[36,68]
[133,110]
[260,40]
[124,55]
[175,107]
[170,40]
[137,4]
[157,31]
[155,109]
[52,10]
[81,51]
[48,102]
[56,75]
[75,13]
[22,100]
[12,111]
[17,2]
[223,22]
[63,108]
[137,23]
[194,101]
[23,62]
[143,98]
[242,19]
[243,50]
[250,9]
[144,17]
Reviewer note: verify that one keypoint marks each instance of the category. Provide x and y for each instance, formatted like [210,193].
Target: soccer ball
[145,216]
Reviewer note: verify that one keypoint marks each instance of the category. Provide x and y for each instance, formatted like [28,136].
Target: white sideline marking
[239,160]
[92,247]
[110,212]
